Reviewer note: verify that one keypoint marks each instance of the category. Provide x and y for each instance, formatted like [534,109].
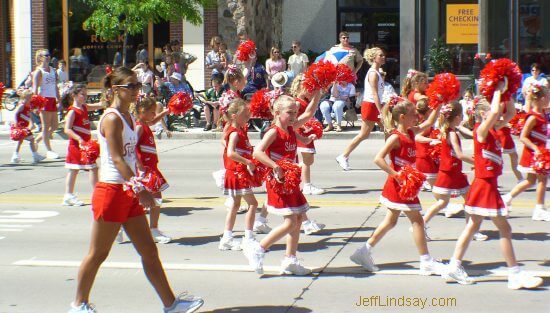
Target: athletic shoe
[242,209]
[120,236]
[159,236]
[292,266]
[52,155]
[431,267]
[507,199]
[255,255]
[71,200]
[15,158]
[185,303]
[541,215]
[83,308]
[426,186]
[453,209]
[363,257]
[523,280]
[229,243]
[261,228]
[457,274]
[310,189]
[37,158]
[480,237]
[312,227]
[343,162]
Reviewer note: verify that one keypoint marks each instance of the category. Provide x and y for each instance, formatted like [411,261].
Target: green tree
[439,57]
[110,18]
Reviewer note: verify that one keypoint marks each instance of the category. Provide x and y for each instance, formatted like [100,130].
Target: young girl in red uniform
[415,85]
[147,158]
[23,120]
[237,150]
[534,137]
[483,199]
[424,162]
[400,120]
[77,127]
[113,206]
[279,143]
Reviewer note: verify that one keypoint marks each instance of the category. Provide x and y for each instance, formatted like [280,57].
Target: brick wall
[3,40]
[176,31]
[39,26]
[210,20]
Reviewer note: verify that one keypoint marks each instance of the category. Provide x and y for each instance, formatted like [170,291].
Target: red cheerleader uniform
[450,179]
[506,140]
[483,198]
[284,147]
[302,147]
[81,126]
[23,118]
[232,185]
[424,162]
[538,136]
[410,97]
[146,152]
[405,155]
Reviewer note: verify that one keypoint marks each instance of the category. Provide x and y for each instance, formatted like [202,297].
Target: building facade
[406,29]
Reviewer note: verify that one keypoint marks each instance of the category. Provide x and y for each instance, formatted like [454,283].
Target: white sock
[248,234]
[368,246]
[34,154]
[305,222]
[425,258]
[227,234]
[261,219]
[454,263]
[68,195]
[514,270]
[307,184]
[539,206]
[15,154]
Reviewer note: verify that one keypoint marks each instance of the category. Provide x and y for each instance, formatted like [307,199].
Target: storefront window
[534,38]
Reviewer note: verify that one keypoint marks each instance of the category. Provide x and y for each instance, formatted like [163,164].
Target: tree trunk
[124,45]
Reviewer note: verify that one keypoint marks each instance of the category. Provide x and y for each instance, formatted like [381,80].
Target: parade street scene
[276,156]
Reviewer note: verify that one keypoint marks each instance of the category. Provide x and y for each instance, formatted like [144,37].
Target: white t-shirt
[297,63]
[529,80]
[344,92]
[62,76]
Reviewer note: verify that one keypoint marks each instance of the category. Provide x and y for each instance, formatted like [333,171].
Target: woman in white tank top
[371,106]
[113,207]
[44,83]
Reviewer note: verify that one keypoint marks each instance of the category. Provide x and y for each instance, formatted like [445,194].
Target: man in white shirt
[297,63]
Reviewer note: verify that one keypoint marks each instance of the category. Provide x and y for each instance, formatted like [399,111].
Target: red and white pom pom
[541,162]
[410,181]
[312,126]
[292,176]
[254,179]
[260,104]
[246,51]
[151,180]
[494,72]
[319,75]
[345,74]
[89,151]
[517,123]
[435,150]
[19,133]
[180,103]
[133,186]
[2,89]
[226,98]
[38,102]
[443,89]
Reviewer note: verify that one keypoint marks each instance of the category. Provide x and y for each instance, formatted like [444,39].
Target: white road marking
[10,229]
[14,226]
[17,221]
[28,214]
[14,220]
[246,268]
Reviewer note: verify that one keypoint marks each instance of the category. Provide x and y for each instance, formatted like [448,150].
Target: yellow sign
[462,23]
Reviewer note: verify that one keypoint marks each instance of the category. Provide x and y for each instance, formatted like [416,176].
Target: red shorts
[369,112]
[111,203]
[51,105]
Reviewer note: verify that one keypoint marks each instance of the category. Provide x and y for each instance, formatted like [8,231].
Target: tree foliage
[439,57]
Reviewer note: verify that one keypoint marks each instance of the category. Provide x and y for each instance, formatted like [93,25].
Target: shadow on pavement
[540,236]
[262,309]
[351,191]
[196,241]
[181,211]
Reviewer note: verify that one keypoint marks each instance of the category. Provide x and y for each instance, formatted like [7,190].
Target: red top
[284,145]
[146,149]
[449,161]
[538,134]
[243,147]
[423,148]
[81,124]
[406,154]
[487,155]
[303,105]
[23,118]
[410,96]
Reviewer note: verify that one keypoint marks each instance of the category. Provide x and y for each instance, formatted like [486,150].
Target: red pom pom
[89,151]
[312,126]
[38,102]
[246,50]
[180,103]
[292,176]
[260,104]
[345,74]
[19,133]
[152,181]
[254,179]
[410,180]
[435,150]
[494,72]
[2,89]
[444,89]
[517,123]
[541,162]
[319,75]
[108,70]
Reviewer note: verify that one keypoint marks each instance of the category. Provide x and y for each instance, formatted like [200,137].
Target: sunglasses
[294,47]
[130,86]
[276,52]
[343,37]
[46,55]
